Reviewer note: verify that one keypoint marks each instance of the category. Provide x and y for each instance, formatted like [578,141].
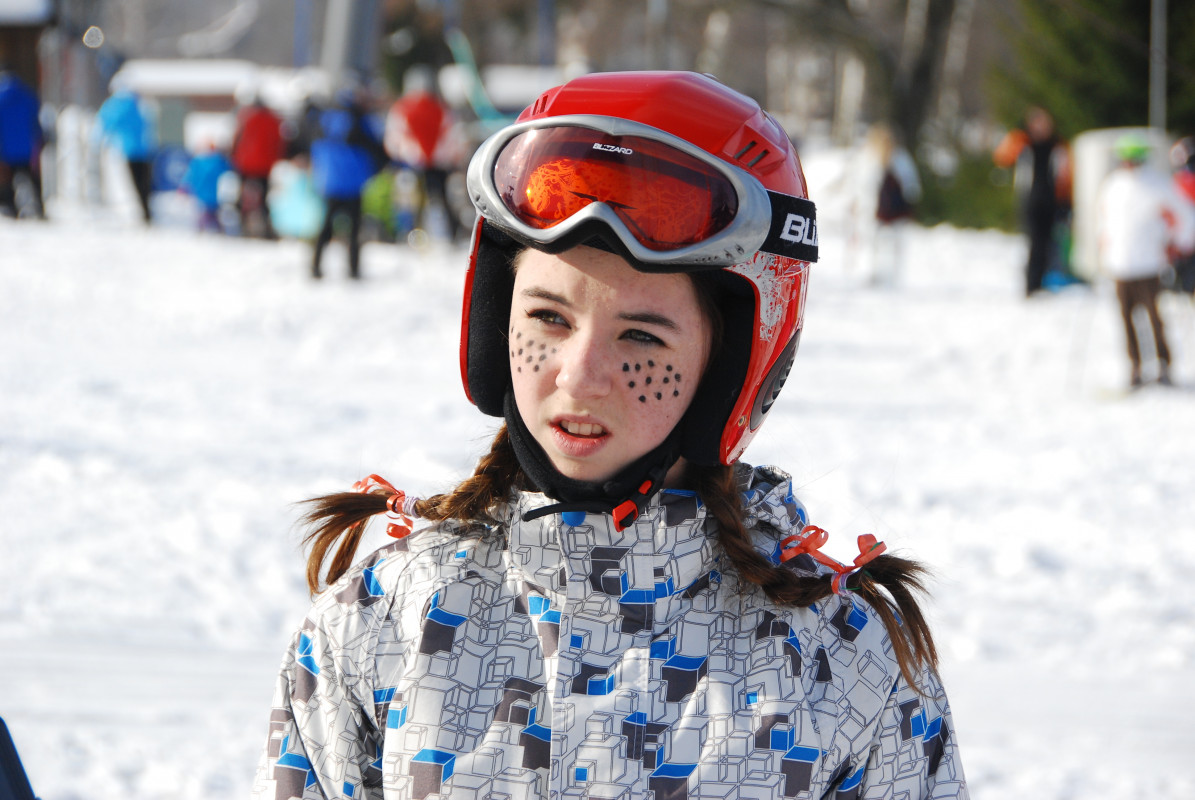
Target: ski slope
[166,398]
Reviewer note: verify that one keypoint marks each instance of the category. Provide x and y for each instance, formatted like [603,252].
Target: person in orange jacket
[1043,182]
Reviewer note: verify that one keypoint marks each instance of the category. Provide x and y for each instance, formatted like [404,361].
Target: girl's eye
[547,316]
[642,336]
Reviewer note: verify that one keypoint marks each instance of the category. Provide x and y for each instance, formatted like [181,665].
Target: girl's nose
[585,368]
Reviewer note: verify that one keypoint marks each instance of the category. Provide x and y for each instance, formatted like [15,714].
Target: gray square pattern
[560,658]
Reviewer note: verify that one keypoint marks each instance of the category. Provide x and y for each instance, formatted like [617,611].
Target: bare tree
[900,42]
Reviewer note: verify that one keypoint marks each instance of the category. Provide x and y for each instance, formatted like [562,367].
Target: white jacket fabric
[1140,214]
[559,658]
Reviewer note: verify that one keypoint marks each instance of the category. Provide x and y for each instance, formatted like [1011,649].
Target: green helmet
[1132,147]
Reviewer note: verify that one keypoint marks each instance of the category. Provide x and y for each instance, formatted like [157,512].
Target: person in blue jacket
[124,121]
[202,181]
[20,141]
[345,153]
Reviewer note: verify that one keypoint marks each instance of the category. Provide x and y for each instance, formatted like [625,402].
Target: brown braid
[332,516]
[497,475]
[888,580]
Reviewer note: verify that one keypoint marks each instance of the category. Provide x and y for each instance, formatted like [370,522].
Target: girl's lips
[582,428]
[579,439]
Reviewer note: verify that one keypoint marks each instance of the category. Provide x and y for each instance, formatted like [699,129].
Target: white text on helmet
[799,229]
[613,148]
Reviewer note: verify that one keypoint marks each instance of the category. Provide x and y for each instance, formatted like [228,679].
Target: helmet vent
[774,393]
[773,382]
[762,154]
[739,155]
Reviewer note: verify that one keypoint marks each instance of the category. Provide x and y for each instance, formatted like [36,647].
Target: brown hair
[887,584]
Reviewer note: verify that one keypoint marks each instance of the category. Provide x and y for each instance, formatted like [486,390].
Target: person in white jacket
[1141,218]
[613,605]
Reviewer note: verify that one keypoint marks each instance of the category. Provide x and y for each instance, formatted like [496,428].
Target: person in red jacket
[422,134]
[1182,159]
[257,147]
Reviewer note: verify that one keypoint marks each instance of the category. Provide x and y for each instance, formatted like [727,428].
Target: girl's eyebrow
[650,318]
[641,317]
[536,293]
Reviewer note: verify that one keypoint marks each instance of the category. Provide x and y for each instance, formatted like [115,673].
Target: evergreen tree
[1087,62]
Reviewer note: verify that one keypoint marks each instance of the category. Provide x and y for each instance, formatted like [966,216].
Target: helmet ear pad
[489,289]
[705,422]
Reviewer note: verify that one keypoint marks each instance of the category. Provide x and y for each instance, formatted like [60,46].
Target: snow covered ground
[165,399]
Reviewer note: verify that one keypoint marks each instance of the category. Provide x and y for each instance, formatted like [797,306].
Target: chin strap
[623,497]
[624,514]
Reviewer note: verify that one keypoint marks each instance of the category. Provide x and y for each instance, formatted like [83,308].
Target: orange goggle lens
[666,198]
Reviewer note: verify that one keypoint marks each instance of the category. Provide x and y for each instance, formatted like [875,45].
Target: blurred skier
[1140,216]
[20,143]
[346,152]
[1182,159]
[257,145]
[202,181]
[123,120]
[1043,182]
[887,189]
[422,134]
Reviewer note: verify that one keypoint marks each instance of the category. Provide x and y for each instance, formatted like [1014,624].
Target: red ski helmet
[606,135]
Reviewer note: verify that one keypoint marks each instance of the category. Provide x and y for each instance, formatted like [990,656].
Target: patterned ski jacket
[558,658]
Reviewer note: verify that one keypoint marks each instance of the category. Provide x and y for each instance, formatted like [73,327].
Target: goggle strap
[793,232]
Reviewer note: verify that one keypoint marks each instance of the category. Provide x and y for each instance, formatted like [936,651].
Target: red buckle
[625,513]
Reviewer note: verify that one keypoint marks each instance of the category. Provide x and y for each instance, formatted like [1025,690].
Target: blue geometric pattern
[304,653]
[561,658]
[371,583]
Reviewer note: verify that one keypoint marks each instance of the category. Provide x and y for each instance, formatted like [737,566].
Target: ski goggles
[672,205]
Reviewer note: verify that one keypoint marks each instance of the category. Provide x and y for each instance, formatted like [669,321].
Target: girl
[613,604]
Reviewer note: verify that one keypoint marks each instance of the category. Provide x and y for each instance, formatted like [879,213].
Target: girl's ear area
[487,367]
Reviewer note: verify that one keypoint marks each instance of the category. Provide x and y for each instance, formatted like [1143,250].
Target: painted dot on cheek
[626,367]
[651,363]
[631,385]
[636,368]
[648,381]
[665,379]
[675,393]
[642,399]
[669,368]
[658,396]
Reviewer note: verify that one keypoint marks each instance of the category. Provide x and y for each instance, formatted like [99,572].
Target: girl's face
[604,359]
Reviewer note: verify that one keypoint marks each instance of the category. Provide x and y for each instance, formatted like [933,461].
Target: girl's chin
[582,472]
